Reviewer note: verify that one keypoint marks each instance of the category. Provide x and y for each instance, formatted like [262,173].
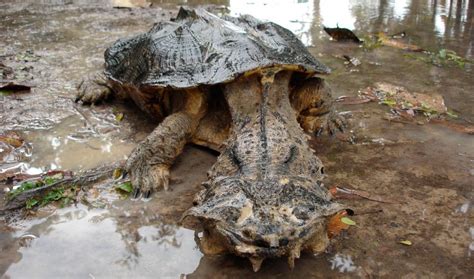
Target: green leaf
[119,116]
[31,202]
[126,187]
[452,114]
[389,102]
[53,195]
[348,221]
[49,180]
[25,186]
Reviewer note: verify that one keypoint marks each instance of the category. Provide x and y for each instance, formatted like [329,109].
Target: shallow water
[428,170]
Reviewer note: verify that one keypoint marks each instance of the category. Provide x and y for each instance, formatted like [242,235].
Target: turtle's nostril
[262,243]
[247,233]
[283,241]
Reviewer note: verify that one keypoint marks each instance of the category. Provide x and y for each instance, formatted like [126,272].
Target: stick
[88,177]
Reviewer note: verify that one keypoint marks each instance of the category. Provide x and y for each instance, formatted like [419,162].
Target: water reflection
[299,20]
[82,243]
[432,23]
[77,143]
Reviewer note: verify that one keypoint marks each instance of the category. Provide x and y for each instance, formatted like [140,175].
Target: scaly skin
[264,196]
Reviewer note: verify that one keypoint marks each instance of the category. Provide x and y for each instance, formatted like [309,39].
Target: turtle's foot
[146,178]
[329,124]
[93,89]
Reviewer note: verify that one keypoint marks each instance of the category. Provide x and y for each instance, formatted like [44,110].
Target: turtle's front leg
[149,164]
[93,89]
[314,106]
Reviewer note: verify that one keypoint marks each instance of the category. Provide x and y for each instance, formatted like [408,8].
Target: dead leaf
[11,138]
[117,174]
[335,225]
[400,98]
[406,242]
[342,35]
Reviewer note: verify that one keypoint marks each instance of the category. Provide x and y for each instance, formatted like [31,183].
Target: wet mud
[425,171]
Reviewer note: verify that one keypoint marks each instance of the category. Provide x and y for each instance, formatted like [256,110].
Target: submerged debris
[338,223]
[405,106]
[400,100]
[53,186]
[442,57]
[385,40]
[348,193]
[352,61]
[382,39]
[342,35]
[11,138]
[397,97]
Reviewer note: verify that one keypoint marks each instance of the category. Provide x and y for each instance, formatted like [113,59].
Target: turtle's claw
[146,178]
[319,131]
[147,194]
[340,123]
[93,89]
[136,193]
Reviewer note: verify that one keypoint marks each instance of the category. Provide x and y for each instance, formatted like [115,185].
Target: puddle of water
[426,168]
[82,243]
[71,145]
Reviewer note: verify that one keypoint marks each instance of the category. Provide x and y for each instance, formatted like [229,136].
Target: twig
[89,177]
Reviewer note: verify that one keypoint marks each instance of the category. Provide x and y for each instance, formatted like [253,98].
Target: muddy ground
[425,171]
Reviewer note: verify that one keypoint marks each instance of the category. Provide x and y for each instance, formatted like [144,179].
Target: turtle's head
[258,219]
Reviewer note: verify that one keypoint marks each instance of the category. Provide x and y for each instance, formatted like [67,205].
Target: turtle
[248,89]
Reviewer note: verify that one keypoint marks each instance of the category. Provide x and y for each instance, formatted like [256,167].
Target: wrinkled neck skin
[267,140]
[264,197]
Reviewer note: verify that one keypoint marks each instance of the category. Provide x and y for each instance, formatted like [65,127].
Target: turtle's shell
[199,48]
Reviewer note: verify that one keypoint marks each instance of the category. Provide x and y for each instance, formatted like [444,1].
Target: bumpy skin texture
[264,196]
[199,48]
[244,88]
